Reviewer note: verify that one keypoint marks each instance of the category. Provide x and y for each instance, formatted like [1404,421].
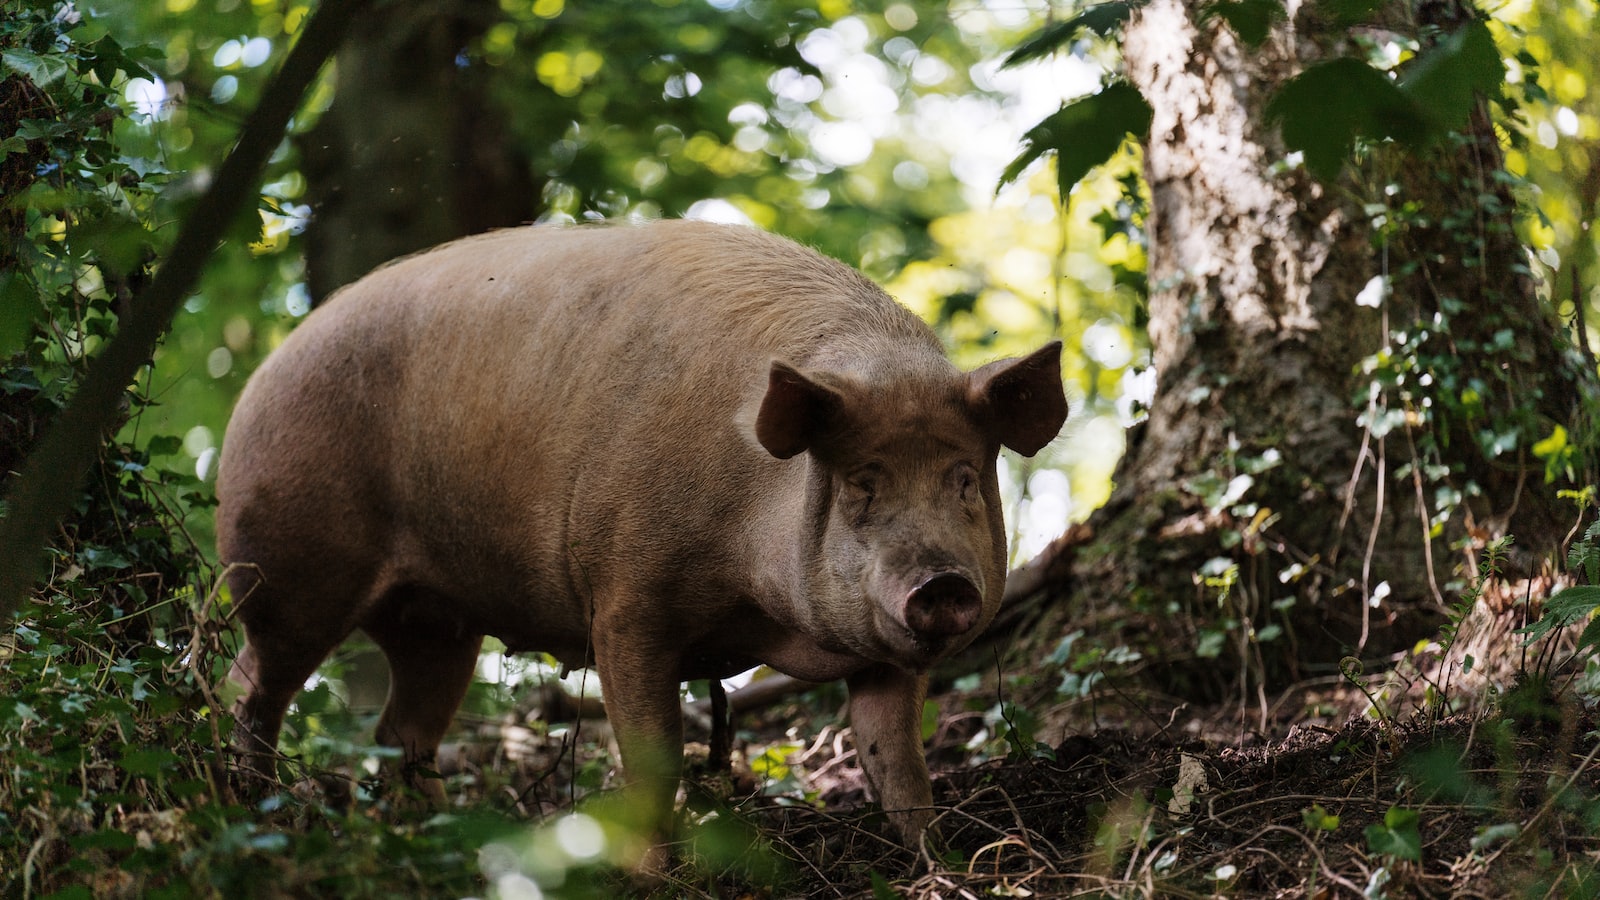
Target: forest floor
[1502,804]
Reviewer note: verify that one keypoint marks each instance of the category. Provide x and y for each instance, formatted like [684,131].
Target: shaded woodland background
[1326,279]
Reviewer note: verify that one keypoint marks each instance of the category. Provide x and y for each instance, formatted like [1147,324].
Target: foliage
[76,218]
[1574,604]
[1101,19]
[1324,111]
[112,735]
[1084,134]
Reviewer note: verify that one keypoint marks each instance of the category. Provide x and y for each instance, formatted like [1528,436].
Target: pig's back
[678,288]
[582,334]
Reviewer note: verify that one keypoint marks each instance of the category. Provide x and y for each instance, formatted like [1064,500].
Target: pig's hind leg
[431,663]
[272,667]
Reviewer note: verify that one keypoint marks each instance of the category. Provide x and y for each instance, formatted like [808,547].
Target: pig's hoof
[247,784]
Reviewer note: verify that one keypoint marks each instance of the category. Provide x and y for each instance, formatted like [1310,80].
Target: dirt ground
[1496,805]
[1504,805]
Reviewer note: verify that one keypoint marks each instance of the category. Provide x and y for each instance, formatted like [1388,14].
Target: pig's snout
[943,605]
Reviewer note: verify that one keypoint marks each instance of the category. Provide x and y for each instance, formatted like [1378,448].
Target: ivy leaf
[41,70]
[87,32]
[1398,836]
[1084,134]
[1251,20]
[1445,81]
[1104,19]
[20,309]
[1325,109]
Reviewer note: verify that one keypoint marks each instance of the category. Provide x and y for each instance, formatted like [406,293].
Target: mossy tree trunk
[1312,467]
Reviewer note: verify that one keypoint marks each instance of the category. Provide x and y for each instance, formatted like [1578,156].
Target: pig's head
[902,550]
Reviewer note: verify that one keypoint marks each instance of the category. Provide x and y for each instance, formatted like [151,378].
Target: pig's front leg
[641,696]
[886,716]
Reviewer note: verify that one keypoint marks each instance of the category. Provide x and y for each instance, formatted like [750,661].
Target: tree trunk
[1266,487]
[413,152]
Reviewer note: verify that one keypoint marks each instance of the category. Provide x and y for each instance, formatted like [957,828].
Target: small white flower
[1372,295]
[1379,594]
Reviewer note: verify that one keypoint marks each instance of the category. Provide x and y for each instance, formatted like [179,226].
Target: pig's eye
[861,490]
[965,480]
[865,479]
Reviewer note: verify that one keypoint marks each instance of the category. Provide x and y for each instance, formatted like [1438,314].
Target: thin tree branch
[42,492]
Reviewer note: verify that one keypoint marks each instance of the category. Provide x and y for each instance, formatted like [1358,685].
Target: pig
[669,451]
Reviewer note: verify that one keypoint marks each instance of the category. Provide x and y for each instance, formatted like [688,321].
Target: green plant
[1398,836]
[1575,603]
[112,731]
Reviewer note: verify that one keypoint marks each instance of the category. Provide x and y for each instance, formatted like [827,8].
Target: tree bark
[414,150]
[1265,358]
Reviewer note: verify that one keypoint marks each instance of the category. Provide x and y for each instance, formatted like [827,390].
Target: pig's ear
[794,411]
[1021,400]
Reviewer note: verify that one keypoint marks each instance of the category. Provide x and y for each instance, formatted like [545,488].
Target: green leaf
[104,558]
[1489,835]
[43,71]
[149,763]
[1445,81]
[1251,20]
[20,309]
[1554,448]
[1398,836]
[1325,109]
[1584,556]
[164,445]
[1104,19]
[1590,638]
[1318,819]
[1561,610]
[1084,134]
[87,32]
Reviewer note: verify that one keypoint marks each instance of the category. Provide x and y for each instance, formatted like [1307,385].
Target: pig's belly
[745,641]
[759,640]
